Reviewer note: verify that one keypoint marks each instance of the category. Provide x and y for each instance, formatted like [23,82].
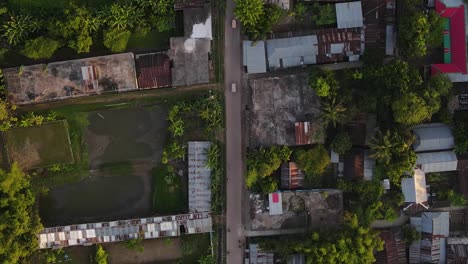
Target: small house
[415,192]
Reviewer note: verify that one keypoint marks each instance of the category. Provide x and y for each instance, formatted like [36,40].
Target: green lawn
[39,146]
[194,246]
[77,123]
[167,199]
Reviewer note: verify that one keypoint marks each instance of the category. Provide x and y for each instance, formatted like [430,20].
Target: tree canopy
[20,220]
[418,31]
[257,17]
[352,244]
[261,164]
[323,82]
[393,150]
[312,162]
[341,143]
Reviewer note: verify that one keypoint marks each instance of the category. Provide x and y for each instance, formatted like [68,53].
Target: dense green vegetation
[313,162]
[341,143]
[21,222]
[215,164]
[352,244]
[394,153]
[419,30]
[257,17]
[261,164]
[369,202]
[78,25]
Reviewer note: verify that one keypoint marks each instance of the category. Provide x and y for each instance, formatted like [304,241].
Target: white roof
[349,15]
[389,40]
[433,136]
[202,29]
[437,161]
[275,202]
[199,184]
[291,52]
[414,189]
[254,56]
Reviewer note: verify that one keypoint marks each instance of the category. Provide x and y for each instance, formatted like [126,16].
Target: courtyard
[277,103]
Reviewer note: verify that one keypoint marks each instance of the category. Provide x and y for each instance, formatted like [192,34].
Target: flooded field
[123,146]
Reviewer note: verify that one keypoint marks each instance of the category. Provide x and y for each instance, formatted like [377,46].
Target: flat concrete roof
[190,59]
[74,78]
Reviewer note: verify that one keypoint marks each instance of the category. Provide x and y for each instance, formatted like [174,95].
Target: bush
[135,244]
[410,234]
[341,143]
[40,48]
[101,255]
[116,40]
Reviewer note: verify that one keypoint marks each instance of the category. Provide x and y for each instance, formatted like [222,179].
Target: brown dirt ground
[155,251]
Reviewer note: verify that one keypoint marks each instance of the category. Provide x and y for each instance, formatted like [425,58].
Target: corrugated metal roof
[414,189]
[254,56]
[435,223]
[437,161]
[433,136]
[275,202]
[349,15]
[296,259]
[389,40]
[302,130]
[120,230]
[291,176]
[153,70]
[291,52]
[199,183]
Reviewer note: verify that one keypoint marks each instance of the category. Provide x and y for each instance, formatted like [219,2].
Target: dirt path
[119,97]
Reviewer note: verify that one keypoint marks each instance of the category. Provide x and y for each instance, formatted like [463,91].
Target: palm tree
[18,28]
[333,112]
[382,146]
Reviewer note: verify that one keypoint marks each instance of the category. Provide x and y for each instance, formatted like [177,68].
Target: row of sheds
[120,230]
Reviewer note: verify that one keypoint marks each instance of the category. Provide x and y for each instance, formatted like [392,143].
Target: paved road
[234,154]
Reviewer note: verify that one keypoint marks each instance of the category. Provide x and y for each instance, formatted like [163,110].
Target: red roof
[456,15]
[153,70]
[275,197]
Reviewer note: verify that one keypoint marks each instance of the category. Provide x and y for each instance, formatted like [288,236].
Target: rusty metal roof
[153,70]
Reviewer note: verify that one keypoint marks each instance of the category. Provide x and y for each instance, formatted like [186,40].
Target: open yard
[277,103]
[123,145]
[39,146]
[131,134]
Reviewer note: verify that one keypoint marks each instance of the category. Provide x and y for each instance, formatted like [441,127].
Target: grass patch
[39,146]
[117,168]
[194,247]
[77,123]
[152,40]
[167,198]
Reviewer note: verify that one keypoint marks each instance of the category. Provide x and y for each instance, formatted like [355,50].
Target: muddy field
[123,146]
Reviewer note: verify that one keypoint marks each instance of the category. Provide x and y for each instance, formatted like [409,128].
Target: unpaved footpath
[119,97]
